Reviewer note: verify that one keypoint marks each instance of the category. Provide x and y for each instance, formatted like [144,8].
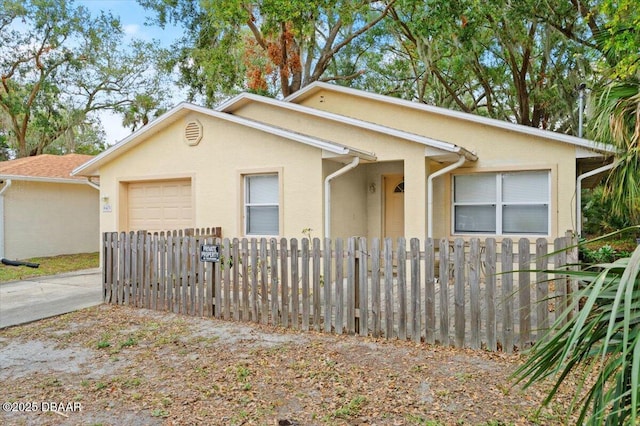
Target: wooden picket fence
[477,294]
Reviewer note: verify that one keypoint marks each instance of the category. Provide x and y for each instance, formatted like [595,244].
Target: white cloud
[131,29]
[112,125]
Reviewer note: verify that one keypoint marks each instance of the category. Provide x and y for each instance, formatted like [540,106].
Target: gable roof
[440,146]
[45,167]
[318,86]
[181,110]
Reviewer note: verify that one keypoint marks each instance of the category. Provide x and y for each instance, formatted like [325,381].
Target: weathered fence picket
[479,298]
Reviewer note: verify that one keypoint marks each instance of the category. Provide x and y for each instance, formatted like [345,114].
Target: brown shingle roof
[45,166]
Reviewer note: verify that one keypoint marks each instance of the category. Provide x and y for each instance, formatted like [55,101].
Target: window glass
[525,187]
[502,203]
[262,189]
[479,188]
[525,219]
[262,212]
[262,220]
[475,219]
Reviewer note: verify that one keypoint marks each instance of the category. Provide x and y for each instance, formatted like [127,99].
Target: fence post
[305,284]
[327,284]
[275,305]
[363,289]
[507,295]
[388,287]
[339,287]
[524,293]
[416,304]
[295,284]
[458,289]
[236,264]
[376,323]
[264,280]
[254,281]
[474,292]
[542,288]
[490,279]
[317,300]
[430,291]
[352,281]
[444,292]
[107,271]
[245,280]
[402,288]
[284,283]
[559,246]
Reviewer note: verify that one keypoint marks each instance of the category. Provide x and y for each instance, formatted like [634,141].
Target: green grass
[50,266]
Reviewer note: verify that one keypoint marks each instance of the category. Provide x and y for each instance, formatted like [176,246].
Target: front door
[393,207]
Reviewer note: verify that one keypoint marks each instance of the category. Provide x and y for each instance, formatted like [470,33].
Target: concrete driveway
[36,298]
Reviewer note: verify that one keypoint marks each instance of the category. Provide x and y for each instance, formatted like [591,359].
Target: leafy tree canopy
[274,47]
[58,66]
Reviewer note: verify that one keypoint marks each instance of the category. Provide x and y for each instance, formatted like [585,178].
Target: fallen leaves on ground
[135,366]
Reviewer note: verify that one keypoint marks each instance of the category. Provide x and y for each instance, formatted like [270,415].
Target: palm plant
[600,346]
[617,121]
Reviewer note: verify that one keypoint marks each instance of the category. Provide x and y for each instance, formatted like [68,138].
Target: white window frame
[246,204]
[499,205]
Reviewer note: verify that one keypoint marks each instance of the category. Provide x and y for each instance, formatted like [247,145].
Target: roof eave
[42,179]
[533,131]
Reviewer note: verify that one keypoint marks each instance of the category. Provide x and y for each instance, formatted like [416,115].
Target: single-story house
[341,162]
[44,211]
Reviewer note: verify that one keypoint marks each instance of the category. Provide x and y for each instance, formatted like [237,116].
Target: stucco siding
[348,201]
[386,149]
[497,150]
[47,219]
[216,167]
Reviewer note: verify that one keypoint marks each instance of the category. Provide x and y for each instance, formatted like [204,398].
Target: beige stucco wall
[351,191]
[48,219]
[497,150]
[215,166]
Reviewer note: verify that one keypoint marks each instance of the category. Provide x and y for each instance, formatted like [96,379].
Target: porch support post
[415,206]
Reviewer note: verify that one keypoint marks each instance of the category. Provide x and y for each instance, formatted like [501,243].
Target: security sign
[210,253]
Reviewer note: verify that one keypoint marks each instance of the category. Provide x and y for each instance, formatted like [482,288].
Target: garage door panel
[160,205]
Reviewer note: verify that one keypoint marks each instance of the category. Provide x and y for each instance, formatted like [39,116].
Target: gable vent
[193,132]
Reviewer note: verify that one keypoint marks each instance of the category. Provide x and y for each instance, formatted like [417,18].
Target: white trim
[43,179]
[532,131]
[499,204]
[2,223]
[244,98]
[184,108]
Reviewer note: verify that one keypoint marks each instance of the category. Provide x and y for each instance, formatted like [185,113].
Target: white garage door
[160,205]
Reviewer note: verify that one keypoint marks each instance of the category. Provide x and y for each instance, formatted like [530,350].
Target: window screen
[262,204]
[502,203]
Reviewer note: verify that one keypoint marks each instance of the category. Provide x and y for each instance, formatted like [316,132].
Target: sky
[132,17]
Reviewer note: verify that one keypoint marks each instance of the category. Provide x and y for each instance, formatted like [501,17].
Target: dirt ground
[113,365]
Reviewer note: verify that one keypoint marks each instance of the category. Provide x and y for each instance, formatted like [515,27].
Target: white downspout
[579,192]
[327,193]
[92,184]
[2,191]
[432,176]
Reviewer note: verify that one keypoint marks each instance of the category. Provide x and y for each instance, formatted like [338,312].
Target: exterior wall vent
[193,132]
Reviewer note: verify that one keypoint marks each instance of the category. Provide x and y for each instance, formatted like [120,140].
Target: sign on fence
[477,294]
[210,253]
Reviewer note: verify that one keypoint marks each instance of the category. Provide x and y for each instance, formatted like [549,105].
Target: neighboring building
[341,162]
[44,211]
